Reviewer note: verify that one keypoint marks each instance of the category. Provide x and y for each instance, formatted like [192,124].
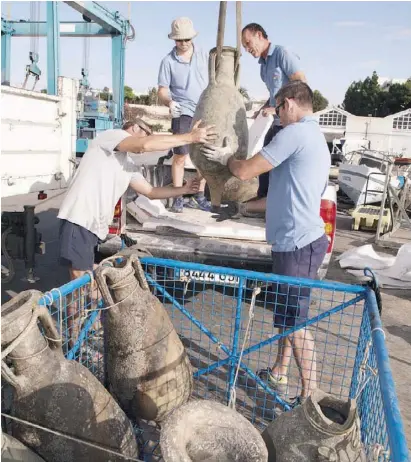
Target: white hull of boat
[362,184]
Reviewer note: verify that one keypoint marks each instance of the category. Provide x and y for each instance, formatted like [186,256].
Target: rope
[115,304]
[86,50]
[21,336]
[69,437]
[362,370]
[34,354]
[364,366]
[220,31]
[34,26]
[379,451]
[238,55]
[380,329]
[233,394]
[48,296]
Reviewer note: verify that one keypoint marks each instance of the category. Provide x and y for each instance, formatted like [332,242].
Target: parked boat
[362,176]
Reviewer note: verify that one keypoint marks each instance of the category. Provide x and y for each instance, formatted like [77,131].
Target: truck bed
[170,242]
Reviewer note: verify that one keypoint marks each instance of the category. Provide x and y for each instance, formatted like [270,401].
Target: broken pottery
[56,393]
[12,450]
[221,104]
[209,431]
[324,428]
[148,370]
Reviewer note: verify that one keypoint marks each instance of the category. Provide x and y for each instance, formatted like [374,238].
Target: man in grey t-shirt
[298,162]
[104,174]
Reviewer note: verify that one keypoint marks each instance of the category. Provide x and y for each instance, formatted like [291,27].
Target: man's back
[103,176]
[302,161]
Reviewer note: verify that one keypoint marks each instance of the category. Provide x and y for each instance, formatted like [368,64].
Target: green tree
[105,94]
[152,99]
[396,99]
[363,97]
[129,94]
[319,101]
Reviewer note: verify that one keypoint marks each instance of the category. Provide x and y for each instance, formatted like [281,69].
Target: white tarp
[390,271]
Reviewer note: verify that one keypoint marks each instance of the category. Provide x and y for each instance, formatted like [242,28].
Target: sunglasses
[277,108]
[184,40]
[145,130]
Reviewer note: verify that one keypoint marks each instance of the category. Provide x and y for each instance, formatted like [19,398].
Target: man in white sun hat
[182,78]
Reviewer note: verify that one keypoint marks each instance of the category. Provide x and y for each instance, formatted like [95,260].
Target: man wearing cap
[105,172]
[278,66]
[182,77]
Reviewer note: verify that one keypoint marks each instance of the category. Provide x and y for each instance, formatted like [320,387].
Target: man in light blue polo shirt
[182,78]
[298,162]
[278,66]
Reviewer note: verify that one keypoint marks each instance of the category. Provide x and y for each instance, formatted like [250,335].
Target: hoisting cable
[238,54]
[130,38]
[220,31]
[32,69]
[86,59]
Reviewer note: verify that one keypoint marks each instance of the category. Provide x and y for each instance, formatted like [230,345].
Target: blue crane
[98,21]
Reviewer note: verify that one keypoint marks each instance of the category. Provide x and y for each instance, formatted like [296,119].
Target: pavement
[396,311]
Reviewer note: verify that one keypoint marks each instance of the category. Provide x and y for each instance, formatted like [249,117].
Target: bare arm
[298,76]
[163,96]
[143,187]
[154,143]
[250,168]
[258,205]
[165,142]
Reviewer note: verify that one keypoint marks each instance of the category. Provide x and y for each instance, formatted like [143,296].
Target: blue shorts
[264,177]
[291,303]
[77,246]
[179,126]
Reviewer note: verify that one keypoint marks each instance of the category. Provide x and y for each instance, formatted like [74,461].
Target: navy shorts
[179,126]
[77,246]
[291,303]
[264,177]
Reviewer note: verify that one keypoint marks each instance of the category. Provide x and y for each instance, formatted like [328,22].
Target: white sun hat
[182,29]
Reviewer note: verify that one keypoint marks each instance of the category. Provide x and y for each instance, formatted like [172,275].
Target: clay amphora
[221,104]
[324,428]
[209,431]
[14,450]
[56,393]
[148,370]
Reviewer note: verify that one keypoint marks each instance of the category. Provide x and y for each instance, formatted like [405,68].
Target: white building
[391,133]
[333,121]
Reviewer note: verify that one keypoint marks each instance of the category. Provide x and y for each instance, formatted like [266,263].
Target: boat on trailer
[363,174]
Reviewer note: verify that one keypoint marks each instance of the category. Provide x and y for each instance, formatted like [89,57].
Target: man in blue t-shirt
[278,66]
[182,77]
[298,162]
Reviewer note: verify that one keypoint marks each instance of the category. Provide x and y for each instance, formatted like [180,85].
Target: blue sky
[338,42]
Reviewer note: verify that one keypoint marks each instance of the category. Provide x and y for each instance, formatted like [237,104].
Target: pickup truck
[173,243]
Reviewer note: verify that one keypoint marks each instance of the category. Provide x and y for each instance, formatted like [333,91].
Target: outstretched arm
[141,186]
[164,142]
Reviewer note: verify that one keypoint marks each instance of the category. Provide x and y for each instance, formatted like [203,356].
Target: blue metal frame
[53,48]
[388,429]
[66,29]
[105,24]
[6,34]
[394,424]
